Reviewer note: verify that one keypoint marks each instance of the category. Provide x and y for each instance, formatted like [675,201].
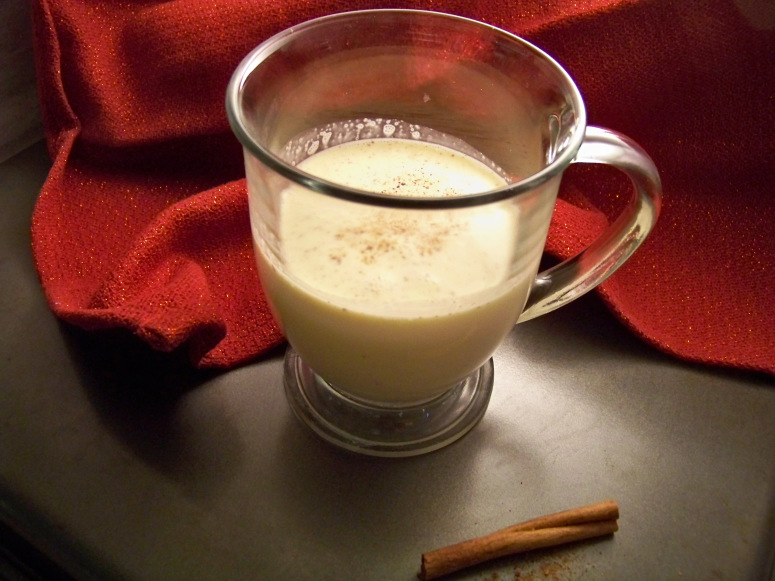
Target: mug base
[386,431]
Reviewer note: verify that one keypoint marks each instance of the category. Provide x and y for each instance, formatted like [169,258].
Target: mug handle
[575,276]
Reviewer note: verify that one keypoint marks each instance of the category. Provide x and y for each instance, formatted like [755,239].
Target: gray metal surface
[122,463]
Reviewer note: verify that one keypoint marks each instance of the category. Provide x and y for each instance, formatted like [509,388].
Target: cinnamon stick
[576,524]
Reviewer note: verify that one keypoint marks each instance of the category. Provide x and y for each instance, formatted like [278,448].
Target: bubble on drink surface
[336,133]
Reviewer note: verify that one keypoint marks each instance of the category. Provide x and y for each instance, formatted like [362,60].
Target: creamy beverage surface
[395,305]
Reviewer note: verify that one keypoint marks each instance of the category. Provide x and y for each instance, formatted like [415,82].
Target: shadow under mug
[394,294]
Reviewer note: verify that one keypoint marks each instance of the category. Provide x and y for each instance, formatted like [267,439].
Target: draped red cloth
[142,223]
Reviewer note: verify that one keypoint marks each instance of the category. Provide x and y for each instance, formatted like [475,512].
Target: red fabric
[142,222]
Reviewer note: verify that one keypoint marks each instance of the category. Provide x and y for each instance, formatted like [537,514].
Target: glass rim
[271,45]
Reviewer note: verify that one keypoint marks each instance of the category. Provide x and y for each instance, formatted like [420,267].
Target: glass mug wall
[402,169]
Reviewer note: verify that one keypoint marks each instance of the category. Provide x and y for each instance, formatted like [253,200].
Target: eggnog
[394,306]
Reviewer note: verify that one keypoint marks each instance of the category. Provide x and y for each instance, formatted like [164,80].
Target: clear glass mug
[402,169]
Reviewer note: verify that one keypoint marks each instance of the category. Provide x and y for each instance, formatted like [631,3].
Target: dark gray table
[122,463]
